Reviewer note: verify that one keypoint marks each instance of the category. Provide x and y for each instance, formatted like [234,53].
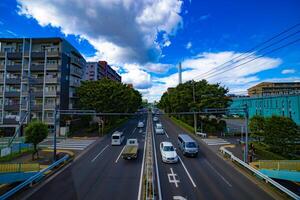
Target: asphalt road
[100,173]
[204,177]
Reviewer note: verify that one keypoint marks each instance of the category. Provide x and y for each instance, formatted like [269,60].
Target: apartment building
[37,76]
[98,70]
[273,88]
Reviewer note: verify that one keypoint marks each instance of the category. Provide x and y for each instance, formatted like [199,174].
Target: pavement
[205,177]
[100,173]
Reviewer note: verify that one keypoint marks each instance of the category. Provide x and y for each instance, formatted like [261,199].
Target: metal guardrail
[261,175]
[33,178]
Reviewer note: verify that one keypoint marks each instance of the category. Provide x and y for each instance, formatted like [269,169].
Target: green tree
[281,134]
[257,126]
[35,133]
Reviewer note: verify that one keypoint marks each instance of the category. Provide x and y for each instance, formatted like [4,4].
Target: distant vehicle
[155,119]
[168,152]
[117,138]
[158,125]
[140,125]
[187,145]
[159,130]
[131,149]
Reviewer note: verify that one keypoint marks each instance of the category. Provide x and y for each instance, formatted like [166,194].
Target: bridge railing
[33,178]
[259,174]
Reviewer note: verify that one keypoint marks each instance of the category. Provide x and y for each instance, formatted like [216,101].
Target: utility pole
[195,116]
[246,133]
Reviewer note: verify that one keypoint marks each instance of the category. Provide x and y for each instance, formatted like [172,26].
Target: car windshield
[191,145]
[168,148]
[115,137]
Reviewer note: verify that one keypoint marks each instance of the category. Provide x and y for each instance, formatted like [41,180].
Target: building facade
[271,88]
[267,106]
[37,76]
[98,70]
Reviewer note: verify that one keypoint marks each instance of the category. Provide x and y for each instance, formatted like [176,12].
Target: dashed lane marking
[120,154]
[99,153]
[172,178]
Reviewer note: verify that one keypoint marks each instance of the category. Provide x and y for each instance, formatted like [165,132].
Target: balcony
[12,94]
[36,107]
[13,81]
[37,67]
[76,61]
[12,107]
[49,120]
[53,54]
[52,66]
[49,106]
[78,73]
[2,54]
[74,84]
[35,55]
[13,68]
[37,81]
[51,93]
[14,55]
[10,120]
[2,66]
[51,80]
[38,93]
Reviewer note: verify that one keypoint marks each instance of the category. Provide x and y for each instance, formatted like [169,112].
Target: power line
[252,49]
[283,46]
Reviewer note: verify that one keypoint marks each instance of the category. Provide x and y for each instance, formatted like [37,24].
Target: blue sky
[146,40]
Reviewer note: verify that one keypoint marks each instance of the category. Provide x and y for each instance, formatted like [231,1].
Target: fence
[19,167]
[35,177]
[291,165]
[15,148]
[259,174]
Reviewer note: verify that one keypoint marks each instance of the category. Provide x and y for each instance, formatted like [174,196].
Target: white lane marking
[222,177]
[187,172]
[133,130]
[166,134]
[156,166]
[179,198]
[142,169]
[172,178]
[120,154]
[100,153]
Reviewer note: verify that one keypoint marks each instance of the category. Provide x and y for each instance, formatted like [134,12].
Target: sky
[145,40]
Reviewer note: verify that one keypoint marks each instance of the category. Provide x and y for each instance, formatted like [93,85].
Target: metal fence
[291,165]
[34,178]
[259,174]
[15,148]
[19,167]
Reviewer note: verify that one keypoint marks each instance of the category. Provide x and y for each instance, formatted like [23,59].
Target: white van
[117,138]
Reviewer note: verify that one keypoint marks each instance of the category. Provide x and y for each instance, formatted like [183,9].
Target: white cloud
[123,32]
[288,71]
[238,79]
[120,30]
[188,45]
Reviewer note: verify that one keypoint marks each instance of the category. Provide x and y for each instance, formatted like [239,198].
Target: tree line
[181,99]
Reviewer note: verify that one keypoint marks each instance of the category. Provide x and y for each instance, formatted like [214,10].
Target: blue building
[267,106]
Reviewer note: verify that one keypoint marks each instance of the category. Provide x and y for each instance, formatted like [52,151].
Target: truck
[131,149]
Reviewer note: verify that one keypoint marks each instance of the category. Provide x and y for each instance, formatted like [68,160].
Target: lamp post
[246,133]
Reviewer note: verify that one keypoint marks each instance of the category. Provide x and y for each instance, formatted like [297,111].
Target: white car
[155,119]
[158,125]
[140,125]
[168,152]
[159,130]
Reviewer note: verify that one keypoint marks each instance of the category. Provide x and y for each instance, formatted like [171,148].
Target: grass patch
[183,125]
[13,156]
[262,152]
